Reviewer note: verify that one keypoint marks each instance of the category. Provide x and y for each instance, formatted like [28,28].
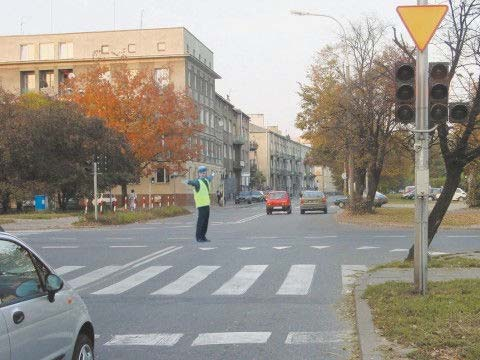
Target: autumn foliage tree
[158,121]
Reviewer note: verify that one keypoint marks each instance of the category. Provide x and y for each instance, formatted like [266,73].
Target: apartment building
[280,159]
[173,55]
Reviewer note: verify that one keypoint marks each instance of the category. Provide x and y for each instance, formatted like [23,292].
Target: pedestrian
[219,197]
[132,200]
[201,195]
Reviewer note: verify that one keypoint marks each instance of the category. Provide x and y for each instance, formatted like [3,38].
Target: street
[264,287]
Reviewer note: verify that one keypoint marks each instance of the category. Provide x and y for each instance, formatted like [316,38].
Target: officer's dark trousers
[202,222]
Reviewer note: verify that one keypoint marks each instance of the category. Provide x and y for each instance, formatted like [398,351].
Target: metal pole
[95,188]
[421,170]
[149,193]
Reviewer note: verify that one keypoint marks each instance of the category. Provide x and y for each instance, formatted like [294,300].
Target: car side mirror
[53,284]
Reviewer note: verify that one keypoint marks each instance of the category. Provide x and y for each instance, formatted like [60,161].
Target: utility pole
[95,187]
[421,169]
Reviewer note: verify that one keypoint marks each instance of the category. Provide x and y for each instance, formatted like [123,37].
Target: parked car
[312,201]
[257,196]
[278,201]
[433,193]
[410,195]
[41,316]
[243,197]
[379,200]
[460,195]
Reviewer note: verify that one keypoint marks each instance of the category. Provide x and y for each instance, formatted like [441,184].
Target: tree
[257,179]
[459,144]
[158,121]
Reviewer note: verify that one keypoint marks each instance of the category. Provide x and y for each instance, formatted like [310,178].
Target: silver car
[312,201]
[41,317]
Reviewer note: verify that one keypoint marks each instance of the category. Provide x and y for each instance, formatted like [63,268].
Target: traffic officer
[201,194]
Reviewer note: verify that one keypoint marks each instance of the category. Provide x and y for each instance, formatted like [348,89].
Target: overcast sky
[260,50]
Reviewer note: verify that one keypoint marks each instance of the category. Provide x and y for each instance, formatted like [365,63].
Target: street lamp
[347,92]
[150,202]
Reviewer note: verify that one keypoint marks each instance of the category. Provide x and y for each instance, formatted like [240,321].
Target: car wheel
[83,348]
[341,204]
[302,212]
[325,211]
[289,211]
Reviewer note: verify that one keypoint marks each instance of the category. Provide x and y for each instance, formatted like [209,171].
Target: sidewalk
[369,339]
[40,224]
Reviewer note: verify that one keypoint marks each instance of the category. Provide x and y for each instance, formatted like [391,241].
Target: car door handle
[18,317]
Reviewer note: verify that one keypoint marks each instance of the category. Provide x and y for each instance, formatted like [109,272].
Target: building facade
[173,55]
[280,159]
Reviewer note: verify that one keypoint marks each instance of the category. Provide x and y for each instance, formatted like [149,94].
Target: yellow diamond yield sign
[422,21]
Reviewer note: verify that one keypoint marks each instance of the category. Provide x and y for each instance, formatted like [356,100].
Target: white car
[41,317]
[460,195]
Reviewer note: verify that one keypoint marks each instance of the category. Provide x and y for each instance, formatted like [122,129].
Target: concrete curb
[368,339]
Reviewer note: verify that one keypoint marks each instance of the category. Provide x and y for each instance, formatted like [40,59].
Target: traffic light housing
[405,93]
[459,112]
[438,92]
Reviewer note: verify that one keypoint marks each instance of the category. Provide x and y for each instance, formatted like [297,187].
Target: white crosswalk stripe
[242,280]
[320,247]
[228,338]
[66,269]
[187,281]
[145,340]
[93,276]
[298,280]
[132,281]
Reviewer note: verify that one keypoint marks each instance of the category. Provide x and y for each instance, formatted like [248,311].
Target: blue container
[41,202]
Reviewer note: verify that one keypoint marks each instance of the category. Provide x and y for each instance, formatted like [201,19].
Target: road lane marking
[244,248]
[93,276]
[463,236]
[321,237]
[119,238]
[153,256]
[62,270]
[399,250]
[180,238]
[132,281]
[281,247]
[127,246]
[228,338]
[187,281]
[367,247]
[390,236]
[262,237]
[63,238]
[349,275]
[242,280]
[303,337]
[145,340]
[250,218]
[59,247]
[320,247]
[207,248]
[298,280]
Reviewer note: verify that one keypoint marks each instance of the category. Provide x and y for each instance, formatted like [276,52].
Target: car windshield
[312,194]
[256,193]
[243,193]
[277,195]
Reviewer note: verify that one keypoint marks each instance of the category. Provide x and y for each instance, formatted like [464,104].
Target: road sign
[344,176]
[422,21]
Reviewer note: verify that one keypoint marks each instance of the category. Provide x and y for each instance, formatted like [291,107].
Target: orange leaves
[157,121]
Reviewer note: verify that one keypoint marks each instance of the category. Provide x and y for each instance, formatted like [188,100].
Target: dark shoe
[205,240]
[200,240]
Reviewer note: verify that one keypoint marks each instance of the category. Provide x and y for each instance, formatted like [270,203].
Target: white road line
[231,338]
[93,276]
[119,238]
[320,247]
[321,237]
[180,238]
[281,247]
[153,256]
[298,280]
[207,248]
[244,248]
[390,236]
[127,246]
[398,250]
[250,218]
[463,236]
[59,247]
[132,281]
[63,238]
[349,274]
[436,253]
[187,281]
[145,340]
[242,280]
[367,247]
[62,270]
[301,337]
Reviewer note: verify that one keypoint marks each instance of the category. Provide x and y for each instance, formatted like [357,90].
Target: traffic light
[459,112]
[438,92]
[405,93]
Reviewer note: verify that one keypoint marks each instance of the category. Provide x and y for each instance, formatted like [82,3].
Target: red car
[278,201]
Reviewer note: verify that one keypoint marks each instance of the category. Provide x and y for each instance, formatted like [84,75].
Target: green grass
[445,324]
[129,217]
[442,261]
[397,199]
[37,215]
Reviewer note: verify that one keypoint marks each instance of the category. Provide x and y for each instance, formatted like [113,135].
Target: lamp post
[347,92]
[152,180]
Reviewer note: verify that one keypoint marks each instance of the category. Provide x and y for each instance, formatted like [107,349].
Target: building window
[188,49]
[162,76]
[47,51]
[162,175]
[132,48]
[27,81]
[161,46]
[191,78]
[105,49]
[47,79]
[65,50]
[27,52]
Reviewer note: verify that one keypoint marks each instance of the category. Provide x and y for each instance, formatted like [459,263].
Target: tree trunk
[441,206]
[124,193]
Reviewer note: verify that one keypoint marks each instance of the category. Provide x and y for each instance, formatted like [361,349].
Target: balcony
[239,140]
[238,165]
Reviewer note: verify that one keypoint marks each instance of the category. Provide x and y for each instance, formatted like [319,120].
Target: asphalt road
[265,287]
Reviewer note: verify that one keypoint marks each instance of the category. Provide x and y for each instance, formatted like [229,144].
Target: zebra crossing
[114,281]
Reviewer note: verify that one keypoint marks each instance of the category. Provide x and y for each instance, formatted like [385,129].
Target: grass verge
[441,261]
[445,324]
[129,217]
[405,217]
[36,216]
[397,199]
